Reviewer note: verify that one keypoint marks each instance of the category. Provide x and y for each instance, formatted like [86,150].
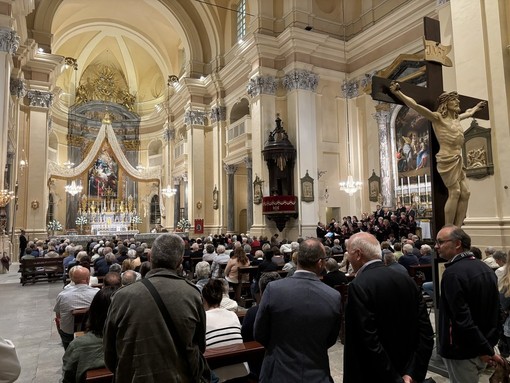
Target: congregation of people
[154,310]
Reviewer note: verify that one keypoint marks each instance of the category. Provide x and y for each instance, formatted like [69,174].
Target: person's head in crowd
[209,248]
[98,311]
[331,265]
[115,268]
[110,258]
[259,254]
[128,277]
[397,246]
[240,255]
[311,256]
[167,252]
[203,270]
[385,245]
[131,253]
[80,255]
[388,257]
[500,257]
[489,251]
[265,278]
[425,250]
[407,249]
[80,275]
[145,267]
[220,249]
[266,247]
[212,293]
[268,255]
[112,280]
[127,264]
[476,252]
[194,247]
[362,248]
[247,248]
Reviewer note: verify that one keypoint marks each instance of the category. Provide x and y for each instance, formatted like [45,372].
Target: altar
[111,223]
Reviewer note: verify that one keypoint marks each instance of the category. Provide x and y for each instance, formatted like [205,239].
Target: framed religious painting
[477,151]
[374,187]
[307,188]
[103,176]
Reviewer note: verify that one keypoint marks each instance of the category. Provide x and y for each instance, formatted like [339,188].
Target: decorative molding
[300,79]
[350,89]
[39,98]
[262,85]
[18,87]
[218,113]
[168,134]
[131,144]
[194,117]
[73,140]
[248,162]
[9,40]
[230,169]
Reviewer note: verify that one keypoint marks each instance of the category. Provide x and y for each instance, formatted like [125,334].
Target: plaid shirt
[75,297]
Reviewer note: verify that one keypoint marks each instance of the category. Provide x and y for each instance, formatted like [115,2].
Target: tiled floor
[26,318]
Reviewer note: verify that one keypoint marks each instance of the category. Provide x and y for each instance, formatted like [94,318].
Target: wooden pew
[237,353]
[243,271]
[252,352]
[41,270]
[80,317]
[99,375]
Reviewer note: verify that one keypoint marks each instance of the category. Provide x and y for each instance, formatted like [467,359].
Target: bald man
[389,337]
[74,297]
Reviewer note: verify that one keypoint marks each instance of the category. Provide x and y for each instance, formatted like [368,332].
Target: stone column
[262,91]
[230,170]
[218,118]
[9,43]
[249,193]
[301,86]
[387,186]
[40,125]
[177,200]
[186,195]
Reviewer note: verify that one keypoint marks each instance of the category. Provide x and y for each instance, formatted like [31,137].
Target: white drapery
[105,132]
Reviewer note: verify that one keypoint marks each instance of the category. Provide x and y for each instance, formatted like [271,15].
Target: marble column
[249,192]
[230,170]
[262,91]
[177,200]
[301,86]
[9,43]
[387,186]
[186,197]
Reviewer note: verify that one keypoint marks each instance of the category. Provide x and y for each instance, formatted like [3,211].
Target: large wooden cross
[427,96]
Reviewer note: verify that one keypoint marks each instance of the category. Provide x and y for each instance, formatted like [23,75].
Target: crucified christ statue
[446,124]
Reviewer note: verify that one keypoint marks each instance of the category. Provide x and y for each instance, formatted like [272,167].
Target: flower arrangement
[136,219]
[54,225]
[184,224]
[81,220]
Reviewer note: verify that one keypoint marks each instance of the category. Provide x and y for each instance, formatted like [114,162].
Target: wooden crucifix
[427,97]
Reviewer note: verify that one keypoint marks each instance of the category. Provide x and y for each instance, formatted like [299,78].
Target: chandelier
[73,189]
[168,191]
[5,197]
[348,89]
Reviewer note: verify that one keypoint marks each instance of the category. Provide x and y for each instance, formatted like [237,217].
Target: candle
[409,190]
[419,195]
[426,195]
[402,189]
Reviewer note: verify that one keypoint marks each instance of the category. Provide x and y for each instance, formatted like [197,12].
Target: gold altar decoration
[105,83]
[5,197]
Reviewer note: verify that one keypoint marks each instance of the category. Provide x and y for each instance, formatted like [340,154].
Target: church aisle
[27,320]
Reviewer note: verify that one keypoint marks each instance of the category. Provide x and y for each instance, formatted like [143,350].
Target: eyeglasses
[439,242]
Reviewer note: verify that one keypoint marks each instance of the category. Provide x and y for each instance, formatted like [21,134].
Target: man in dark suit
[297,349]
[376,348]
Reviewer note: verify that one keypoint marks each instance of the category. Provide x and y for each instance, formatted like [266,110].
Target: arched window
[155,212]
[241,19]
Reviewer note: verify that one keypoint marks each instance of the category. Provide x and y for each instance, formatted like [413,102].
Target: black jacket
[469,309]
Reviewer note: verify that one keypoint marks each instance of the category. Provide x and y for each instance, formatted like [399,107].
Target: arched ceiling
[146,40]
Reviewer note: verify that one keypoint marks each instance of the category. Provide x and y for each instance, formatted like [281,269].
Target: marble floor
[26,318]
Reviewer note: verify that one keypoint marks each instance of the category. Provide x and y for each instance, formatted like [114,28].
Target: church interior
[241,116]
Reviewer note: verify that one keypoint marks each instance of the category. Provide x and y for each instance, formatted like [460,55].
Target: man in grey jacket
[138,345]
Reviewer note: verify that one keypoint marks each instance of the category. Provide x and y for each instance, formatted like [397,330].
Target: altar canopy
[105,133]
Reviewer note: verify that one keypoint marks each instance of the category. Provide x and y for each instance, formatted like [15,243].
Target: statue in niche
[446,124]
[215,194]
[257,190]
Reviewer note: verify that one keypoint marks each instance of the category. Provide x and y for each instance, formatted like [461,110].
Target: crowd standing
[161,307]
